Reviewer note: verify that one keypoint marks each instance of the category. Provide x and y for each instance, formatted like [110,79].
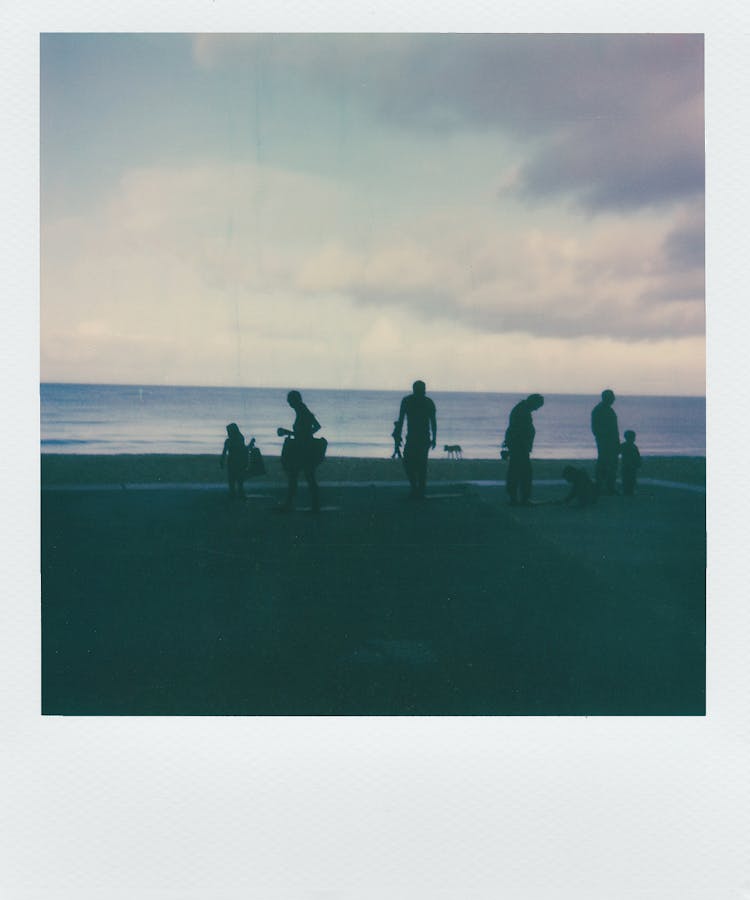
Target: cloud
[215,273]
[623,163]
[609,279]
[685,246]
[610,121]
[191,250]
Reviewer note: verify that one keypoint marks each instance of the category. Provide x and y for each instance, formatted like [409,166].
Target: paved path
[259,486]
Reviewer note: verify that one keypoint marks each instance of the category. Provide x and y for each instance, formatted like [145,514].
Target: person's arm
[614,430]
[433,424]
[224,453]
[305,424]
[400,423]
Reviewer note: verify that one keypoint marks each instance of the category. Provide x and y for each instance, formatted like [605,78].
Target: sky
[484,212]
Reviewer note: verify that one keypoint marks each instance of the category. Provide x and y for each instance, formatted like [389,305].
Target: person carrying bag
[301,452]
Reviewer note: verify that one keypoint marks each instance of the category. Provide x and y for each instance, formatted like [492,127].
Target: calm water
[145,419]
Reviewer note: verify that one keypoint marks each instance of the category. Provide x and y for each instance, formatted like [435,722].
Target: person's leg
[610,468]
[313,486]
[511,481]
[409,468]
[599,469]
[291,489]
[525,479]
[237,481]
[421,473]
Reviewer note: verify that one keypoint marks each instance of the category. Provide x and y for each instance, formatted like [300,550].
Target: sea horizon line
[371,390]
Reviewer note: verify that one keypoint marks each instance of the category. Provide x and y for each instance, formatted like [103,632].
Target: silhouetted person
[519,439]
[421,435]
[582,488]
[631,462]
[395,434]
[607,434]
[235,454]
[301,452]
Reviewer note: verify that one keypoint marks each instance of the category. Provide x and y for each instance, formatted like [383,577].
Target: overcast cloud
[332,210]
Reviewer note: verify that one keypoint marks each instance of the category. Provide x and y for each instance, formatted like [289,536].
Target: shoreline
[156,468]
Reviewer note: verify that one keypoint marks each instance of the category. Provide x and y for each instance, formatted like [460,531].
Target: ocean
[96,418]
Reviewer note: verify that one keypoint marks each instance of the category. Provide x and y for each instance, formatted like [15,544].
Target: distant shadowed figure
[519,441]
[421,418]
[607,435]
[235,454]
[631,462]
[582,488]
[454,451]
[301,452]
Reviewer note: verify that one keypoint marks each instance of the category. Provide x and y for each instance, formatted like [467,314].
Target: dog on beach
[454,451]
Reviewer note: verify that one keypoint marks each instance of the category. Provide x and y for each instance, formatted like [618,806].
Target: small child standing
[235,453]
[631,462]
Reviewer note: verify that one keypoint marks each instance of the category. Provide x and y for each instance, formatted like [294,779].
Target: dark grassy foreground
[182,602]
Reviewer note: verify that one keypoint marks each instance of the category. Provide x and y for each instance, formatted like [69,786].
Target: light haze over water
[90,418]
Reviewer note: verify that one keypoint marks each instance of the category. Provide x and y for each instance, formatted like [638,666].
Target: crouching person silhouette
[582,489]
[302,452]
[421,435]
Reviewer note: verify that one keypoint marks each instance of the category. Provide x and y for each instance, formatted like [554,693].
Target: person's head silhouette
[535,401]
[419,388]
[294,399]
[608,397]
[629,436]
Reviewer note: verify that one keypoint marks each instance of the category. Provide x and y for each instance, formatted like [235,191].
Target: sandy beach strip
[175,469]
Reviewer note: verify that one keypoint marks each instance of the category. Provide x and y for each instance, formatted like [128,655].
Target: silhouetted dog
[454,451]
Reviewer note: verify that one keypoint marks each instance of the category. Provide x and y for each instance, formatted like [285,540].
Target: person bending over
[582,489]
[519,440]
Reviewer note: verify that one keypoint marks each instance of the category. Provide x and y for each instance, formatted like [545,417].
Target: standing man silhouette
[607,433]
[519,439]
[421,418]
